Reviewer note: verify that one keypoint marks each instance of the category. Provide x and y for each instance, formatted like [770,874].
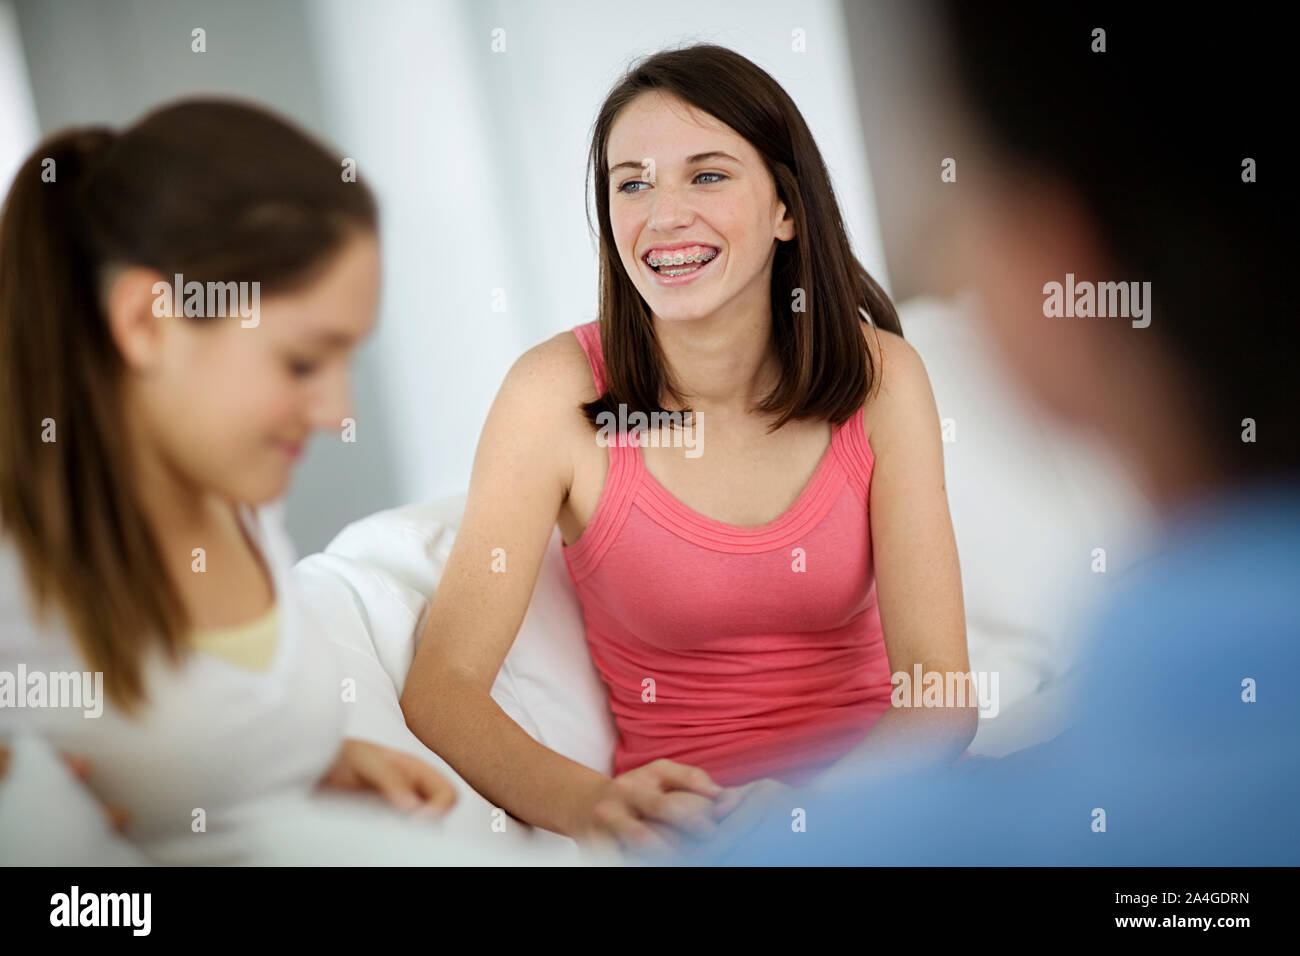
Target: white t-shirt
[213,745]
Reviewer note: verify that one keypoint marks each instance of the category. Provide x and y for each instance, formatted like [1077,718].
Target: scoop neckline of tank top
[251,524]
[802,502]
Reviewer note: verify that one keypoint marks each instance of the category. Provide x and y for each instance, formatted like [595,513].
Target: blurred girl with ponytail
[146,430]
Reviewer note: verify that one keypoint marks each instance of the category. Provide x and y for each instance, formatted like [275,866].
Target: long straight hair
[211,189]
[826,368]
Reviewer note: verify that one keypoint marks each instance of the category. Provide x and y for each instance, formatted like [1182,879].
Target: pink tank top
[748,651]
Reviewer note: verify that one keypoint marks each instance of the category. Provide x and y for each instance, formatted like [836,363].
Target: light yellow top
[250,646]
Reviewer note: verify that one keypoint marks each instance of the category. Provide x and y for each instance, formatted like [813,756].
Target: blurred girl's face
[228,408]
[682,183]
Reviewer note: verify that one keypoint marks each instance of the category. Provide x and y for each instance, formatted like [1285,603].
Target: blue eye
[640,182]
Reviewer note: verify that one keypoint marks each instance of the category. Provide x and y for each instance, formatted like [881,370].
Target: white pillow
[391,563]
[1029,500]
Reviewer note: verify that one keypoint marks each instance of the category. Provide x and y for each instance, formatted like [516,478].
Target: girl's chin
[273,485]
[681,311]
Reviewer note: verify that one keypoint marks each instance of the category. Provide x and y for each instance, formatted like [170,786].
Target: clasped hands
[665,807]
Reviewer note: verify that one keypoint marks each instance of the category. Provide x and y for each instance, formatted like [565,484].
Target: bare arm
[520,477]
[918,578]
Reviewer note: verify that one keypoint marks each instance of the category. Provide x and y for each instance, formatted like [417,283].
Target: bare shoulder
[537,416]
[544,388]
[900,394]
[525,459]
[555,371]
[897,365]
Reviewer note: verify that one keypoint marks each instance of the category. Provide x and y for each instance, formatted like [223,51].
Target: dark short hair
[1152,135]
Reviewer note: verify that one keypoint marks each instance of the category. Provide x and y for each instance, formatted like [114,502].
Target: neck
[175,508]
[1152,422]
[723,361]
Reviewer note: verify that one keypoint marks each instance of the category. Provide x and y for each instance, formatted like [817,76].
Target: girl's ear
[784,226]
[138,304]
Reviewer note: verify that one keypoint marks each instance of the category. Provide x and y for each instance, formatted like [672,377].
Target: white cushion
[1029,502]
[389,565]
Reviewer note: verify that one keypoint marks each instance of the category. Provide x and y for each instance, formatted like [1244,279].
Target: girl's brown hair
[826,368]
[211,189]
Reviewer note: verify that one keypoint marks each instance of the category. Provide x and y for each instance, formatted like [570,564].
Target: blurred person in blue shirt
[1145,158]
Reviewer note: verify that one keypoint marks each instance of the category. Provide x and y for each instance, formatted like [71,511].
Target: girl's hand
[80,767]
[405,781]
[732,797]
[740,809]
[651,808]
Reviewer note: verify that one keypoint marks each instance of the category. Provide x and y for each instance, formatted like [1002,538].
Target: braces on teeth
[679,259]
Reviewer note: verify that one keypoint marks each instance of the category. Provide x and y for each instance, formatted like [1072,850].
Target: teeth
[677,259]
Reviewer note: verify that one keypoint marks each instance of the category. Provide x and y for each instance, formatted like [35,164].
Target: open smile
[673,267]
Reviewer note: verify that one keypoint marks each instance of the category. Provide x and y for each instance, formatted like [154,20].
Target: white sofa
[1029,504]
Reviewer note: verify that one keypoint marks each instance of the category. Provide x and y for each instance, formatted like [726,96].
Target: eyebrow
[690,160]
[330,338]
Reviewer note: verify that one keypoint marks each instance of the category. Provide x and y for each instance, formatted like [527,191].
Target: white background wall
[110,61]
[17,111]
[479,157]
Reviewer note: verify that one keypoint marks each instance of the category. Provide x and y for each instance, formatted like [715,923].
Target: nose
[333,403]
[671,209]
